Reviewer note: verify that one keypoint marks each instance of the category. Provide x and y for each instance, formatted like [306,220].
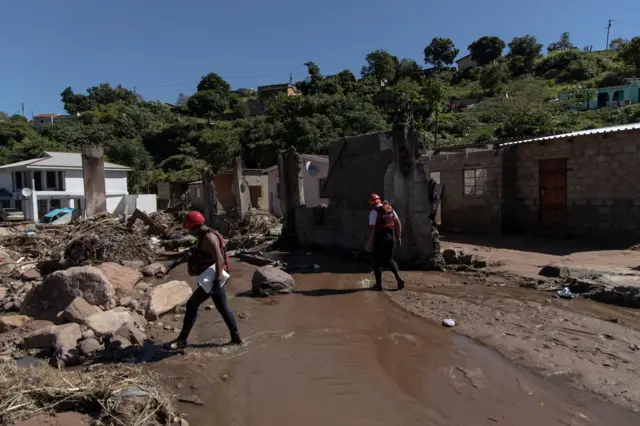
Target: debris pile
[128,395]
[257,230]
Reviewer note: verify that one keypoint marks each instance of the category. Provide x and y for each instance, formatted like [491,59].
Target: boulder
[78,310]
[3,292]
[132,334]
[132,264]
[268,280]
[124,301]
[53,336]
[7,264]
[107,322]
[60,288]
[88,334]
[452,256]
[119,342]
[154,269]
[165,297]
[30,275]
[122,279]
[142,287]
[89,346]
[139,320]
[10,322]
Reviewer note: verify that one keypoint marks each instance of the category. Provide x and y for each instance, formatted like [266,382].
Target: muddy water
[334,354]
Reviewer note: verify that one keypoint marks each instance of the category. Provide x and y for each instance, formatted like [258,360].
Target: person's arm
[213,246]
[396,221]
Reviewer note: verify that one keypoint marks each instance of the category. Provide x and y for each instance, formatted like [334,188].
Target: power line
[625,23]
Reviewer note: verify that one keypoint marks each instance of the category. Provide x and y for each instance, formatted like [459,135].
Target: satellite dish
[312,169]
[26,192]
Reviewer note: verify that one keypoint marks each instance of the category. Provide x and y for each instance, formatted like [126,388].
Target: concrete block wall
[344,229]
[603,183]
[470,213]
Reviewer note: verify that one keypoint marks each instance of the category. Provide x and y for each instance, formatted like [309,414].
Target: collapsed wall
[383,163]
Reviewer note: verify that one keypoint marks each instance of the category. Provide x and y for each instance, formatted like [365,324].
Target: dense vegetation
[213,124]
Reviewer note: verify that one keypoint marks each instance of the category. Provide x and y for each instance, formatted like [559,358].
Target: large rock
[89,346]
[59,289]
[30,275]
[165,297]
[133,264]
[269,280]
[132,334]
[454,256]
[122,279]
[53,336]
[3,292]
[154,269]
[108,322]
[78,310]
[10,322]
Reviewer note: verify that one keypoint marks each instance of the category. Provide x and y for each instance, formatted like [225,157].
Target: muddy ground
[336,353]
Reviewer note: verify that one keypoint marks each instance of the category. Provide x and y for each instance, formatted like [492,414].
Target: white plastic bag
[207,278]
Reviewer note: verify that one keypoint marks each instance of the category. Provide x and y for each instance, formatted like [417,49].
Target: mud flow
[335,353]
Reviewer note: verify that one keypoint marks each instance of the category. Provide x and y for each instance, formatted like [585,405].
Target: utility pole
[608,30]
[134,90]
[23,109]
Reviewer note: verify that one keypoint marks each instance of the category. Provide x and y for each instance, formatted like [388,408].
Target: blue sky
[163,47]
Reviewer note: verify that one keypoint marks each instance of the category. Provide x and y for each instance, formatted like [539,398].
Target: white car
[9,214]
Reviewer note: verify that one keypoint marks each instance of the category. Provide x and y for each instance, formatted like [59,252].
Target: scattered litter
[316,267]
[565,293]
[194,399]
[449,322]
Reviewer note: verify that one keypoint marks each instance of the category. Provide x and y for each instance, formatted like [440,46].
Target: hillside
[514,95]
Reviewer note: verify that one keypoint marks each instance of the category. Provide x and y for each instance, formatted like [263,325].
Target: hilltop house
[466,62]
[57,180]
[41,121]
[613,96]
[316,168]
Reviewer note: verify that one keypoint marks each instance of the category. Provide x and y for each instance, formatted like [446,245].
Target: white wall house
[56,178]
[312,182]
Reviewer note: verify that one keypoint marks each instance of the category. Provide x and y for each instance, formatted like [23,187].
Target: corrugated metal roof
[63,160]
[597,131]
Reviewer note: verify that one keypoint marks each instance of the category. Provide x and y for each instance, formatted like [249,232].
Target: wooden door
[553,192]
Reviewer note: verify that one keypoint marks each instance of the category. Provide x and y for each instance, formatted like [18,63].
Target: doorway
[553,192]
[603,100]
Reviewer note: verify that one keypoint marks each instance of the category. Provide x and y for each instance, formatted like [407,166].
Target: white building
[316,169]
[57,181]
[41,121]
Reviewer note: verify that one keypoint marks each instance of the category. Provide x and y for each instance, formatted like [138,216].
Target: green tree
[214,82]
[630,53]
[219,144]
[440,52]
[563,44]
[492,76]
[408,68]
[435,93]
[583,96]
[618,43]
[380,64]
[486,49]
[208,104]
[523,52]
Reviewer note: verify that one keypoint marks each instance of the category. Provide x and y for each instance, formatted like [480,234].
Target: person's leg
[377,264]
[393,266]
[193,304]
[219,297]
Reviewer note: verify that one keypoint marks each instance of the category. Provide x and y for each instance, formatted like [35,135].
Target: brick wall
[470,213]
[603,183]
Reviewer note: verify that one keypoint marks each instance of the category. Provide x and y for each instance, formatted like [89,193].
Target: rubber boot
[401,285]
[235,339]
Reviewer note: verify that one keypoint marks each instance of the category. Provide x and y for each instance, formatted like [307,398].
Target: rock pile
[460,257]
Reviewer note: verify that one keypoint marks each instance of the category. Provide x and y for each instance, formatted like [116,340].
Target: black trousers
[384,244]
[219,297]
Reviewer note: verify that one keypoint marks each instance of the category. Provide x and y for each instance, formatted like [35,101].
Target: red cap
[193,220]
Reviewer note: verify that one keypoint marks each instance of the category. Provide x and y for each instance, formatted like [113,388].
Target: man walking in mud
[208,251]
[384,231]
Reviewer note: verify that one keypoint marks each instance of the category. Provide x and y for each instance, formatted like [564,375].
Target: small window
[18,204]
[435,176]
[37,177]
[197,192]
[41,120]
[17,176]
[321,183]
[61,181]
[56,204]
[475,181]
[51,180]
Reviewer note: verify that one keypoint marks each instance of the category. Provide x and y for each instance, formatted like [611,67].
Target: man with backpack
[385,230]
[208,251]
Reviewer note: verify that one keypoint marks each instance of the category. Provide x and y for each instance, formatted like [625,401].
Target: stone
[8,306]
[139,320]
[551,271]
[479,263]
[53,336]
[125,301]
[133,304]
[78,310]
[132,334]
[7,264]
[30,275]
[65,357]
[60,288]
[466,259]
[154,269]
[108,322]
[89,346]
[166,297]
[17,304]
[132,264]
[452,256]
[142,287]
[10,322]
[3,292]
[88,334]
[119,342]
[122,279]
[268,280]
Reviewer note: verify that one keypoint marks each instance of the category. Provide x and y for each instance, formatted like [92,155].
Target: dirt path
[334,353]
